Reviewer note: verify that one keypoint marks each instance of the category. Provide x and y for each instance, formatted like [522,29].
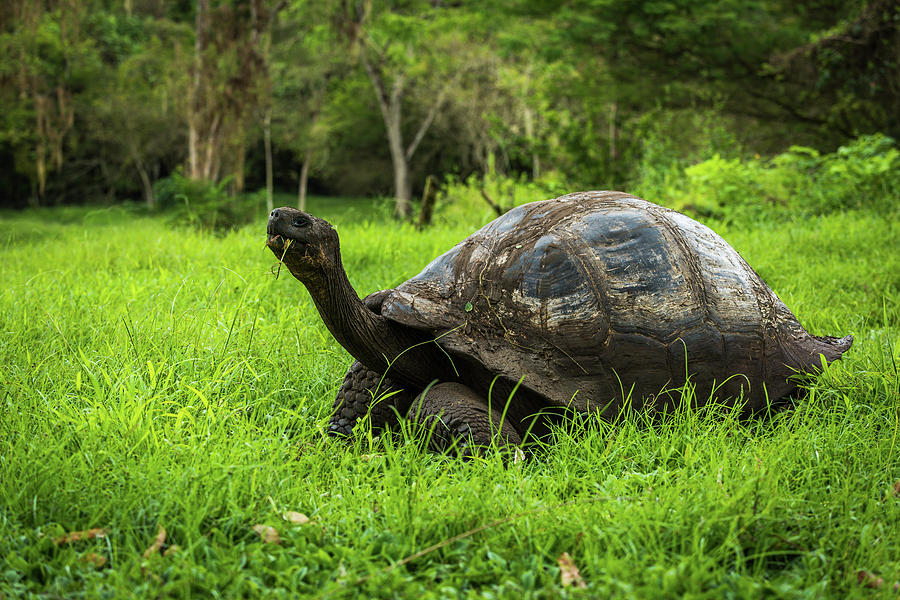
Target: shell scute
[640,271]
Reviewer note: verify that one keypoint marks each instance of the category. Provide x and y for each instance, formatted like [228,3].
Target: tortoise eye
[300,222]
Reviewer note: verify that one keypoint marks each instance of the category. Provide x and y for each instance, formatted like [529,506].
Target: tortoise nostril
[274,214]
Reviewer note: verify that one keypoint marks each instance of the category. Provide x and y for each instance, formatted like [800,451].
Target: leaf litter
[870,580]
[157,544]
[297,518]
[267,533]
[77,536]
[568,572]
[94,559]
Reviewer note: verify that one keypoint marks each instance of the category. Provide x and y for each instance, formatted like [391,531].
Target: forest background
[176,102]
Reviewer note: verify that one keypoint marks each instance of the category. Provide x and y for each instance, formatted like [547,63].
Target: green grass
[154,377]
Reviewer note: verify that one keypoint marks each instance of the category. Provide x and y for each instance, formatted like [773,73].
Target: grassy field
[155,378]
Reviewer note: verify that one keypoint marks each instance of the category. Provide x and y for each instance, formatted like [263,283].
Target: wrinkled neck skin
[378,343]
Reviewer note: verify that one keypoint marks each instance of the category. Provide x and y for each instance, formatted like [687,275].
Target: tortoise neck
[380,344]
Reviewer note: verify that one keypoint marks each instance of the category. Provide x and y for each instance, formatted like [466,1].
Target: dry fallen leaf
[518,456]
[92,558]
[77,536]
[868,580]
[891,492]
[268,534]
[158,541]
[569,572]
[295,517]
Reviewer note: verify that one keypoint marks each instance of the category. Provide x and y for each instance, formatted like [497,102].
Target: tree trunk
[238,148]
[147,184]
[428,198]
[391,106]
[529,133]
[41,168]
[267,138]
[304,177]
[402,187]
[613,133]
[393,122]
[491,203]
[195,102]
[192,146]
[391,113]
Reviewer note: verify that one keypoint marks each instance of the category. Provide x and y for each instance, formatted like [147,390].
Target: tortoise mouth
[275,241]
[283,246]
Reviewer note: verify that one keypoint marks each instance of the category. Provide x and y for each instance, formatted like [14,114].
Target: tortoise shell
[595,298]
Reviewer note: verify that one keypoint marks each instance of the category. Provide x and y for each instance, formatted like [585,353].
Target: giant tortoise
[593,302]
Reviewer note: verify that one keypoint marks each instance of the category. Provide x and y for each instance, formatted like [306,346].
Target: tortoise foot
[459,421]
[365,393]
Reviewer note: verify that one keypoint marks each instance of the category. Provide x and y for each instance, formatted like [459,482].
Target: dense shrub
[801,182]
[862,174]
[731,190]
[722,187]
[203,204]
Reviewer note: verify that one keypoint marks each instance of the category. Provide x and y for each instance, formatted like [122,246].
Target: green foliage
[154,377]
[471,200]
[205,205]
[862,174]
[671,141]
[117,37]
[797,184]
[748,59]
[738,192]
[723,186]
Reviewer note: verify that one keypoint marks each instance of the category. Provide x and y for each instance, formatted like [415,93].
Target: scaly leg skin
[457,420]
[362,393]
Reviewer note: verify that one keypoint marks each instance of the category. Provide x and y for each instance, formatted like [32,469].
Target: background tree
[47,59]
[229,80]
[307,58]
[848,78]
[100,100]
[411,55]
[135,113]
[734,56]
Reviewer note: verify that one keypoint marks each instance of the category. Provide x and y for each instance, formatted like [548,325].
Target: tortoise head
[307,245]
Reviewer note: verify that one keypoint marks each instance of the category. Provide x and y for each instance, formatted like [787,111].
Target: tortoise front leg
[365,392]
[459,420]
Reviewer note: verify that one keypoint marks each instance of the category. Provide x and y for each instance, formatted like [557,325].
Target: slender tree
[229,82]
[411,59]
[306,59]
